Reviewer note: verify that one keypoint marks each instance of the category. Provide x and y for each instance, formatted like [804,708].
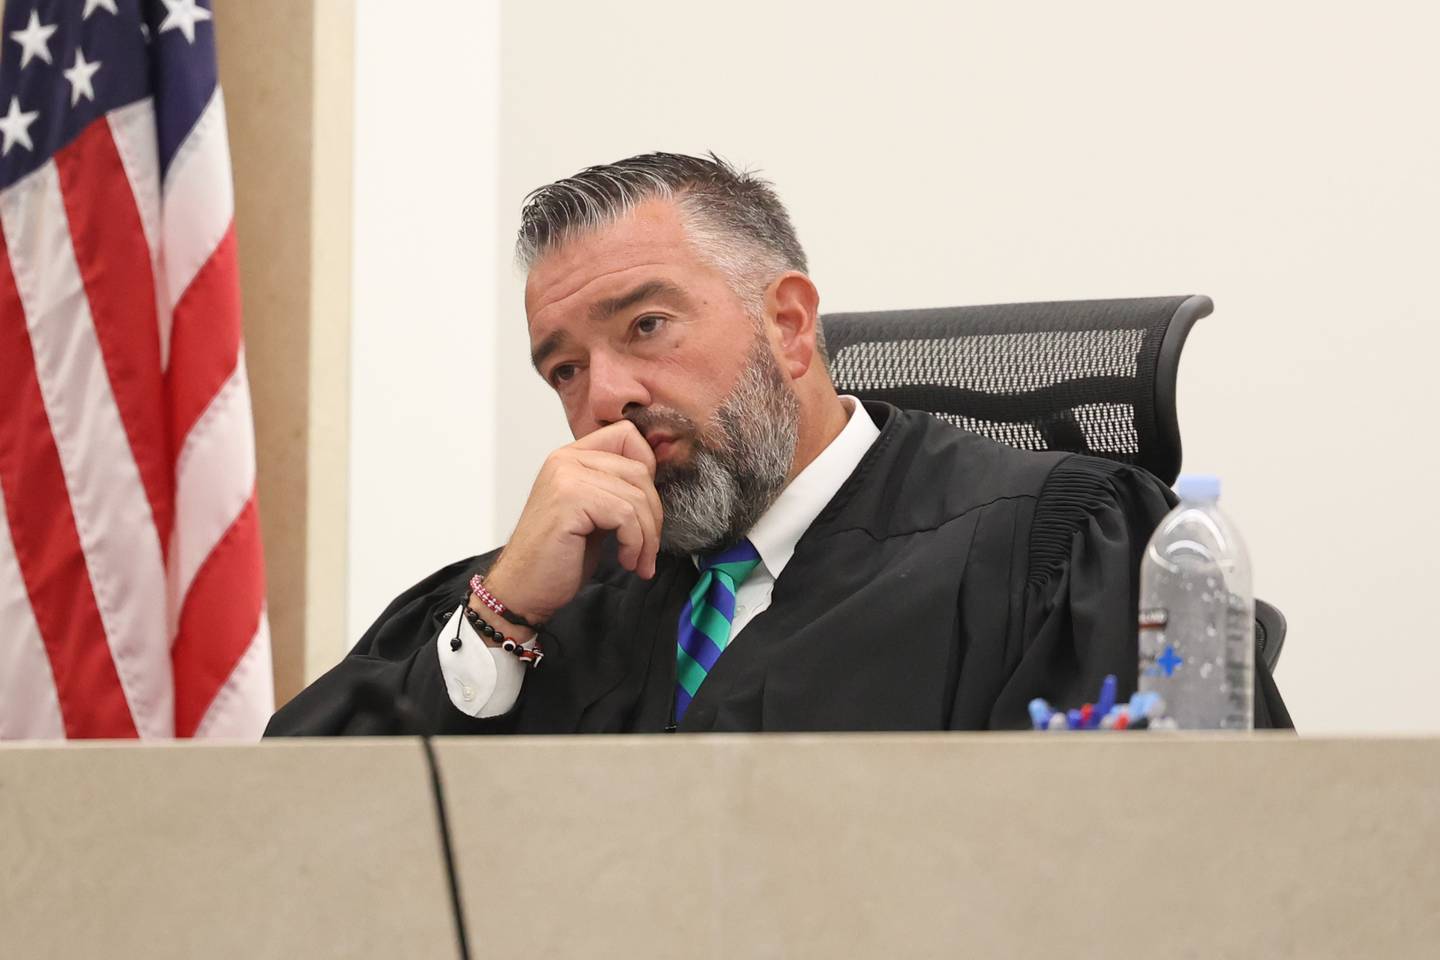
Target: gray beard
[737,468]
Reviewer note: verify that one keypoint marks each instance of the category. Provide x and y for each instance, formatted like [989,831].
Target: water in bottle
[1197,614]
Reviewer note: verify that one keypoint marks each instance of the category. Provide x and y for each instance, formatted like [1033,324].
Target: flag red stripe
[204,340]
[47,545]
[218,619]
[114,261]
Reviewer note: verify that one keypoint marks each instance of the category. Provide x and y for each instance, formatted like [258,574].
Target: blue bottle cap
[1201,487]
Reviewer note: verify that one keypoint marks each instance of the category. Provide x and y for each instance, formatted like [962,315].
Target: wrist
[511,594]
[478,611]
[527,649]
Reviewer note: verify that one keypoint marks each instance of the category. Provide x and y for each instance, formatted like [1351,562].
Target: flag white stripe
[214,478]
[132,127]
[112,515]
[242,707]
[199,199]
[29,706]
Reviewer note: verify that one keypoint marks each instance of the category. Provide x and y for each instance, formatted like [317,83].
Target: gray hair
[736,222]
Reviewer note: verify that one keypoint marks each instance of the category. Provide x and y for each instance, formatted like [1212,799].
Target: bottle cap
[1204,487]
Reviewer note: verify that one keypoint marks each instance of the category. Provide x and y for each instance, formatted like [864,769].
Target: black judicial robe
[949,581]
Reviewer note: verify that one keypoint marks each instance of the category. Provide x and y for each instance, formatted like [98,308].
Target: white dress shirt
[485,681]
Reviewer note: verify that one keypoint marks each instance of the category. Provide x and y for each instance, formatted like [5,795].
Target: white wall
[422,373]
[1283,158]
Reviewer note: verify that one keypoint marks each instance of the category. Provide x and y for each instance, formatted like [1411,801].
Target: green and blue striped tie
[705,621]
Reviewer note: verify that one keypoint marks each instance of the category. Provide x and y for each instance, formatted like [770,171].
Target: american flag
[132,595]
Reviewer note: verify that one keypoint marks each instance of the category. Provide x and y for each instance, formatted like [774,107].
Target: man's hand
[602,483]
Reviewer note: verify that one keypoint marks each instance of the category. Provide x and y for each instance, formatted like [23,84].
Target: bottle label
[1154,618]
[1153,621]
[1239,664]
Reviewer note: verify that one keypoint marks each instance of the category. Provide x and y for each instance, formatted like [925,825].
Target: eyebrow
[604,309]
[650,290]
[548,346]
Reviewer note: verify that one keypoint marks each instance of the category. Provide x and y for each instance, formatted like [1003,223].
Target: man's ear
[793,304]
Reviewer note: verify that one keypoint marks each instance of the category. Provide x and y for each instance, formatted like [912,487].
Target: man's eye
[649,324]
[562,374]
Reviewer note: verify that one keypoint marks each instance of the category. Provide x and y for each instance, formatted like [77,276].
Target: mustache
[650,419]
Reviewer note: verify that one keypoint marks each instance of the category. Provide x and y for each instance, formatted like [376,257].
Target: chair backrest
[1269,632]
[1089,376]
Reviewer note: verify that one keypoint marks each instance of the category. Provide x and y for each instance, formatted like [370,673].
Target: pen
[1107,695]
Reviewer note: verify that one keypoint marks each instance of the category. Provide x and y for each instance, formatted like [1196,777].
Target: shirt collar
[780,528]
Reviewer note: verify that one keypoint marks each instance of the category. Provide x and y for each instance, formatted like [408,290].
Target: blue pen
[1107,695]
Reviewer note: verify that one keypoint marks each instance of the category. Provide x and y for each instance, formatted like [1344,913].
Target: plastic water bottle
[1197,614]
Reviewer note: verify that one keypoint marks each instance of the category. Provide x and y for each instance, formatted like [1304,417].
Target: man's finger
[631,471]
[609,511]
[639,477]
[623,438]
[626,469]
[646,510]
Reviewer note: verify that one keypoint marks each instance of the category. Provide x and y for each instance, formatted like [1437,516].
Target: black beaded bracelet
[486,630]
[531,655]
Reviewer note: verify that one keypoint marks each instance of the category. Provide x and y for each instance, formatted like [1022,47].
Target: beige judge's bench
[936,845]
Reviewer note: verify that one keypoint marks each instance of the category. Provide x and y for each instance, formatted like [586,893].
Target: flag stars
[34,40]
[92,5]
[182,15]
[15,127]
[80,77]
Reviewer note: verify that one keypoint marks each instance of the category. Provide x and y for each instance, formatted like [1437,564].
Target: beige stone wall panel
[286,68]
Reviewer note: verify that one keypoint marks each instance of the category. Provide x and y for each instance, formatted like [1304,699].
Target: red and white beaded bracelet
[492,603]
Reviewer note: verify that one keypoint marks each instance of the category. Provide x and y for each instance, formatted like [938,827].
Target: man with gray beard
[734,473]
[730,545]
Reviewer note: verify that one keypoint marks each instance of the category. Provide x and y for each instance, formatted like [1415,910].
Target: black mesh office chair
[1088,376]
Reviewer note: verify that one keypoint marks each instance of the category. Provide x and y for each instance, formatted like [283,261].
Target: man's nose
[614,389]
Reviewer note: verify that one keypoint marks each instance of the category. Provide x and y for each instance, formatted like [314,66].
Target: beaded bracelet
[477,587]
[529,651]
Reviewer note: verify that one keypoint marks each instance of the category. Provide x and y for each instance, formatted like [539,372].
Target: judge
[728,544]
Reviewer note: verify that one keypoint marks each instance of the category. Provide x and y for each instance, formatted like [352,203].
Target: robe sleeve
[1091,526]
[391,683]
